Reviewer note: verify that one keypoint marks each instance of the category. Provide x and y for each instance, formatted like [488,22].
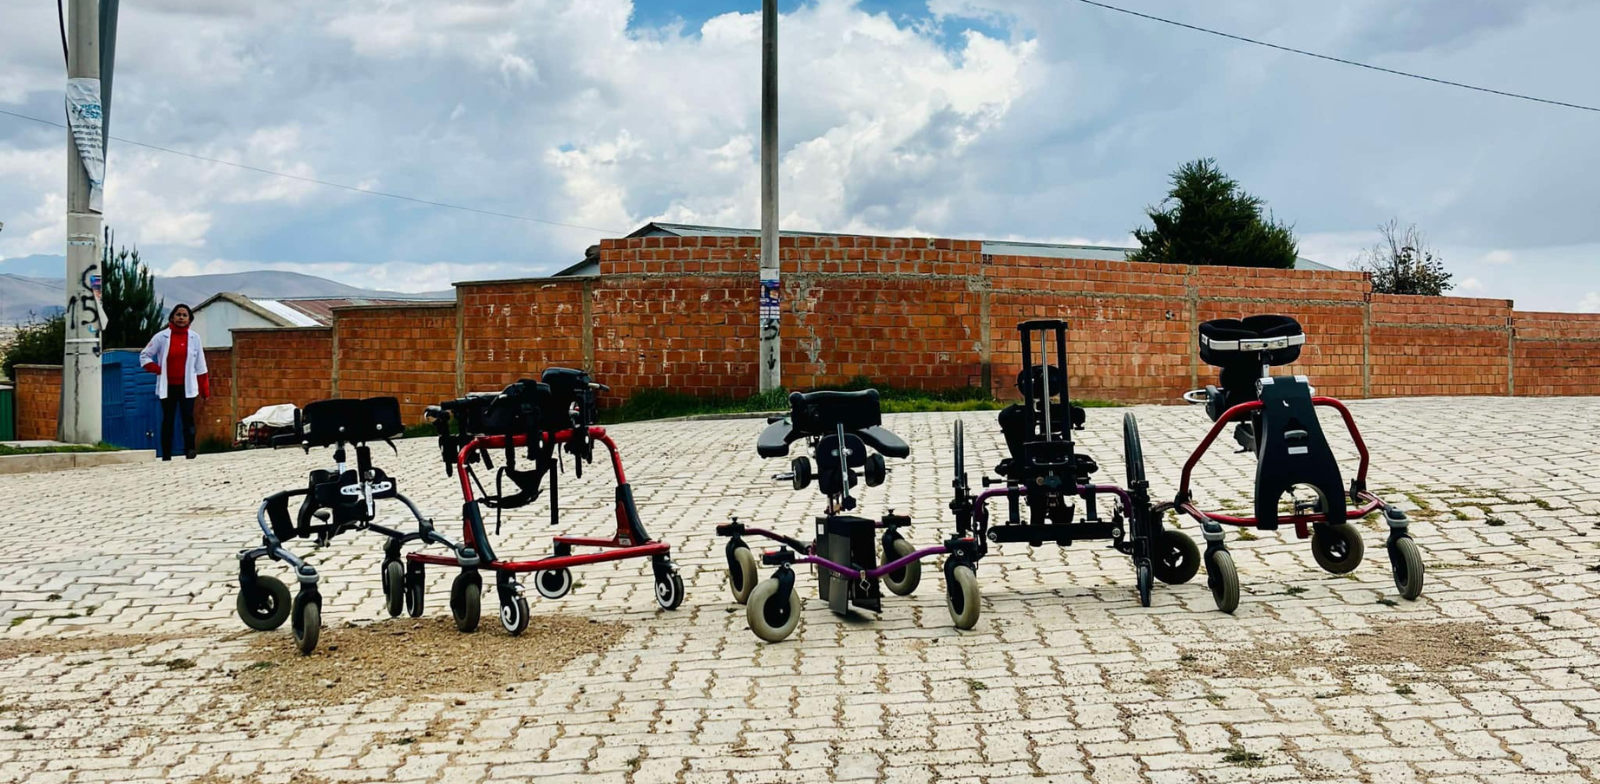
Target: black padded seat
[820,413]
[1247,342]
[349,420]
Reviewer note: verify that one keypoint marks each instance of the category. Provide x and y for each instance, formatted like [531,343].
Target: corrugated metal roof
[294,317]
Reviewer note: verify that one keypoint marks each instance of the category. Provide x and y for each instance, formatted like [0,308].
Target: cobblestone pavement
[1490,677]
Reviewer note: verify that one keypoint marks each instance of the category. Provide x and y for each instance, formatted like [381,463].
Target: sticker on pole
[769,301]
[84,119]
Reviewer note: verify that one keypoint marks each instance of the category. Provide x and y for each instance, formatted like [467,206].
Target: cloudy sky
[1028,119]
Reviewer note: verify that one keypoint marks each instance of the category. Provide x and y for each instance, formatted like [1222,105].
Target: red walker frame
[1358,489]
[616,548]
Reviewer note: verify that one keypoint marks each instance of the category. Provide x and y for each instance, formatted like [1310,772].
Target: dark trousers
[175,401]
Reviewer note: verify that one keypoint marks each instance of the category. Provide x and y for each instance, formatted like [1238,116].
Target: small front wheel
[902,581]
[963,600]
[1146,580]
[266,605]
[772,617]
[669,591]
[514,615]
[306,620]
[416,588]
[1224,580]
[1337,548]
[1177,557]
[1405,561]
[742,574]
[466,597]
[394,581]
[553,583]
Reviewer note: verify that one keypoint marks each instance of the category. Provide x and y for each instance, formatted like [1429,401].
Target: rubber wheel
[1405,561]
[415,589]
[1224,580]
[963,599]
[801,467]
[514,615]
[306,621]
[1132,450]
[466,598]
[1177,557]
[394,581]
[875,471]
[771,617]
[1337,548]
[742,577]
[669,592]
[1146,580]
[902,581]
[265,608]
[553,583]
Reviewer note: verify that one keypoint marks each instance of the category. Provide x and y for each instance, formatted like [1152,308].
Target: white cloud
[1590,303]
[1468,287]
[1499,257]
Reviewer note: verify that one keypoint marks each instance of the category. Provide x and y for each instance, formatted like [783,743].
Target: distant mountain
[22,293]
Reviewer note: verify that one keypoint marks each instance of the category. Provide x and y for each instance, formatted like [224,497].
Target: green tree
[39,342]
[1403,263]
[1207,219]
[130,312]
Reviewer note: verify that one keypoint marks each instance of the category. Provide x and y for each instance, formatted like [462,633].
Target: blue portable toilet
[130,413]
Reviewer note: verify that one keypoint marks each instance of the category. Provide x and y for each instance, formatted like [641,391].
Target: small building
[216,318]
[591,259]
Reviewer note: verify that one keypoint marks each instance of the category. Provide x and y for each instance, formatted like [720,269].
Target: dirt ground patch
[1432,647]
[408,657]
[11,649]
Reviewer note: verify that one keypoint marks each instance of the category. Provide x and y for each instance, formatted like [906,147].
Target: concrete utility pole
[79,422]
[771,369]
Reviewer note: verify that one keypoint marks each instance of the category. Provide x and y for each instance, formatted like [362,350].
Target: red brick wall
[407,352]
[1557,353]
[38,401]
[516,329]
[215,418]
[680,313]
[1439,346]
[273,366]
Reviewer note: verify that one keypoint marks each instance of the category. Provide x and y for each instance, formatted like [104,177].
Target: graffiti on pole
[84,307]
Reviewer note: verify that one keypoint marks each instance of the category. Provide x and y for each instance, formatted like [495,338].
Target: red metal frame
[1301,523]
[613,549]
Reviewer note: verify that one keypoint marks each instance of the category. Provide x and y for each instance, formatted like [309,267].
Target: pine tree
[130,313]
[1207,219]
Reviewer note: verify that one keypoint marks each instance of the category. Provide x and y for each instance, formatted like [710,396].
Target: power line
[352,188]
[1338,59]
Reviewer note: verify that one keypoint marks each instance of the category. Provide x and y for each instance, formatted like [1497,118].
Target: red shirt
[177,356]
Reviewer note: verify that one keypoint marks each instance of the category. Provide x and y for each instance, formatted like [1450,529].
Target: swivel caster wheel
[1337,548]
[669,591]
[265,606]
[742,576]
[1223,579]
[1146,580]
[514,615]
[1178,558]
[962,597]
[772,617]
[306,621]
[902,581]
[415,587]
[1405,563]
[553,583]
[466,595]
[394,587]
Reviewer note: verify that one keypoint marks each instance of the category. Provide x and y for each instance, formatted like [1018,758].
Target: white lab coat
[193,367]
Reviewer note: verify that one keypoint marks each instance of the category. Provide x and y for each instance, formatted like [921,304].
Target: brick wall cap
[37,367]
[563,278]
[433,304]
[237,330]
